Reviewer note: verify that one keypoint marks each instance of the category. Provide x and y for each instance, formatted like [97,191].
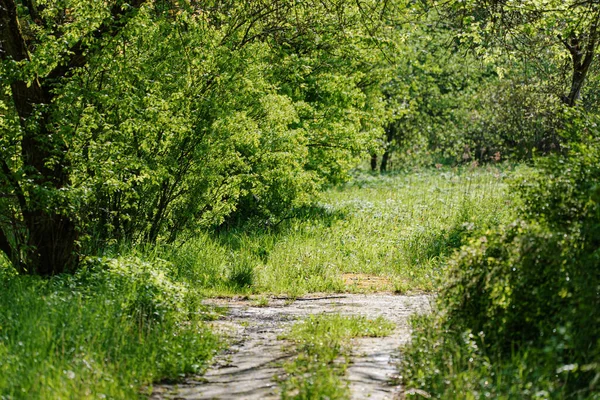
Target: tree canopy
[146,121]
[143,120]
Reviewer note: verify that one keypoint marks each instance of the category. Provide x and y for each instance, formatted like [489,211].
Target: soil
[250,366]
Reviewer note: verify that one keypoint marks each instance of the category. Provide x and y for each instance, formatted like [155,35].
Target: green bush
[525,294]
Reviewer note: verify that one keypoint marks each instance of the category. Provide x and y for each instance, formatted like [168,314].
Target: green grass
[399,227]
[104,333]
[322,354]
[517,317]
[133,316]
[443,364]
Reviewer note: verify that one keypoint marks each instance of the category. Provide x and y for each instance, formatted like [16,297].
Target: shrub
[526,294]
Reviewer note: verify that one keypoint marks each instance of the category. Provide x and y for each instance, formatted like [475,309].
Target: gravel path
[248,368]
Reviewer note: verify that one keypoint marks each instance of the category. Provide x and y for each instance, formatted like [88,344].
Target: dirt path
[248,368]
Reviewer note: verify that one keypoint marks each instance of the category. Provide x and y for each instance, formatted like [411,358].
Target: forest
[156,155]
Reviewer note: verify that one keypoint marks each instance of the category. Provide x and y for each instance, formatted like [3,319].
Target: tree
[46,242]
[139,120]
[535,31]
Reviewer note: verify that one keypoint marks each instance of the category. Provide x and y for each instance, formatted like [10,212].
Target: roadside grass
[107,332]
[322,347]
[443,364]
[376,233]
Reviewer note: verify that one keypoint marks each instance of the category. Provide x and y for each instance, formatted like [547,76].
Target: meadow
[133,315]
[375,233]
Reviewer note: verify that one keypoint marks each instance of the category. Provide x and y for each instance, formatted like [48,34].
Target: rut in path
[247,370]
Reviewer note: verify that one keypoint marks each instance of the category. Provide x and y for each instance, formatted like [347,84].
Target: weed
[261,301]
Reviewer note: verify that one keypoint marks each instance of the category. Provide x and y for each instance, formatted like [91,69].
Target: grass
[517,317]
[322,348]
[394,231]
[103,333]
[133,316]
[442,364]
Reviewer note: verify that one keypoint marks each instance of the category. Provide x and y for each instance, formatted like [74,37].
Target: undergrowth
[133,315]
[107,332]
[518,316]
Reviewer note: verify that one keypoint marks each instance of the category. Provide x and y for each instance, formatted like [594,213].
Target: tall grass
[104,333]
[517,317]
[399,227]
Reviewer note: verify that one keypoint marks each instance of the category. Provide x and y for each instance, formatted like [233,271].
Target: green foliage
[528,290]
[445,363]
[398,227]
[136,310]
[167,118]
[448,105]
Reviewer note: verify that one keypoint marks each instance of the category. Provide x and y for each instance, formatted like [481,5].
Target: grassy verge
[103,333]
[322,347]
[445,364]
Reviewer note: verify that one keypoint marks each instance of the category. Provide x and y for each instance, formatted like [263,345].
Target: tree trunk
[578,79]
[390,132]
[51,235]
[373,162]
[384,160]
[581,57]
[51,244]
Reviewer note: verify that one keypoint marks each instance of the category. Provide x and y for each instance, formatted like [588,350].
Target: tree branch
[15,184]
[120,14]
[592,41]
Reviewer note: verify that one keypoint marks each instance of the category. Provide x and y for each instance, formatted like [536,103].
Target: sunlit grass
[397,227]
[98,334]
[322,349]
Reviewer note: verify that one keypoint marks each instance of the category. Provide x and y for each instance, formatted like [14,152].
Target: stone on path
[247,370]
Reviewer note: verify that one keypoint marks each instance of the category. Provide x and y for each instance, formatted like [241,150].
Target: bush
[525,295]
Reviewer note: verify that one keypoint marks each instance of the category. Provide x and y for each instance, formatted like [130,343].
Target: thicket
[518,316]
[133,123]
[488,81]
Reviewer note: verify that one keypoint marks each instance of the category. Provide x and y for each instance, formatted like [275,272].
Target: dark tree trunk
[51,234]
[390,133]
[160,210]
[384,160]
[373,162]
[578,79]
[582,56]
